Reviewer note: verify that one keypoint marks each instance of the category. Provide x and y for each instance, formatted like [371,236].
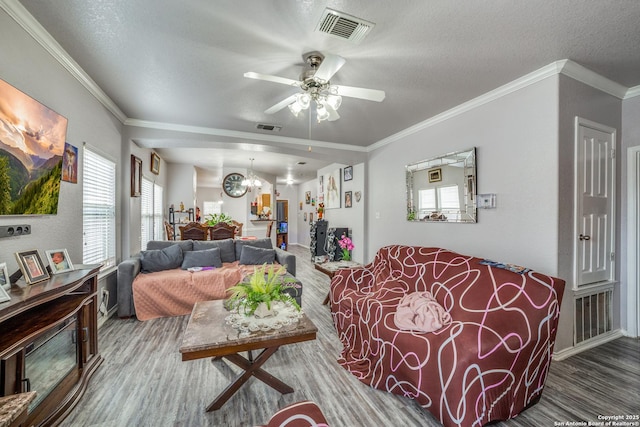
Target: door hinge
[613,256]
[613,153]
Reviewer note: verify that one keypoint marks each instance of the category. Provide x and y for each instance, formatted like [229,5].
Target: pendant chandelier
[251,179]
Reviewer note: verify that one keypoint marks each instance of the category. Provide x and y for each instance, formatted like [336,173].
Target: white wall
[182,186]
[578,99]
[630,138]
[31,69]
[516,141]
[28,67]
[303,237]
[352,218]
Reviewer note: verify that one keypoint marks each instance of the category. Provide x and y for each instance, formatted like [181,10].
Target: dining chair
[193,231]
[222,230]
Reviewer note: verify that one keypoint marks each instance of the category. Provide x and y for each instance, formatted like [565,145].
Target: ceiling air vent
[272,128]
[344,26]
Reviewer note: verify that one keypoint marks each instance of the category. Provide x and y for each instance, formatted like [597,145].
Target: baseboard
[111,312]
[586,345]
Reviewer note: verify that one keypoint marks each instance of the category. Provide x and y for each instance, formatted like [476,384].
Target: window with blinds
[98,210]
[444,199]
[150,213]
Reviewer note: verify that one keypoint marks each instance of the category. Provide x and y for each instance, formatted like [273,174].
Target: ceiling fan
[316,86]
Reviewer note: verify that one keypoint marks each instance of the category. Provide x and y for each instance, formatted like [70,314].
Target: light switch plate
[487,201]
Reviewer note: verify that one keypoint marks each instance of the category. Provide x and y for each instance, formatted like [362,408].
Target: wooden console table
[208,335]
[55,320]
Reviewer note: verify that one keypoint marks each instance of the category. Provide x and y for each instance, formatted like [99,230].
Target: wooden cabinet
[49,342]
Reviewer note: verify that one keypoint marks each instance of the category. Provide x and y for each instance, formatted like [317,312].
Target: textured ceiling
[182,63]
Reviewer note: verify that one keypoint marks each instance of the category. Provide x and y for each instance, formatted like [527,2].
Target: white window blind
[449,199]
[158,222]
[150,213]
[146,213]
[209,208]
[98,210]
[427,201]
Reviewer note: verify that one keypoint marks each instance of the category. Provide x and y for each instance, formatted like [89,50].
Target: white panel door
[595,161]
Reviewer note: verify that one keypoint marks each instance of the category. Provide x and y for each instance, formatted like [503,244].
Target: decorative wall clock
[232,185]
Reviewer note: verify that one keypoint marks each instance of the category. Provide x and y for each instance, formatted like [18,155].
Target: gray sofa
[230,250]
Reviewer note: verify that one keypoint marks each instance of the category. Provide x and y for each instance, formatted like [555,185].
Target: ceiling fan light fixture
[321,113]
[295,108]
[304,100]
[334,101]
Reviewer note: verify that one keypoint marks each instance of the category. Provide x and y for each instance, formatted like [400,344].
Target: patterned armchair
[489,363]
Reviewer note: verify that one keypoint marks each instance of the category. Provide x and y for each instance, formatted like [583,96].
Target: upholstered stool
[300,414]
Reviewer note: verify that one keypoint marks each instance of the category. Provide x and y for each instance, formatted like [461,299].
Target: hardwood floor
[143,382]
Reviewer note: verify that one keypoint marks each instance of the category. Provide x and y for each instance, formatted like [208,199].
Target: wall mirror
[442,189]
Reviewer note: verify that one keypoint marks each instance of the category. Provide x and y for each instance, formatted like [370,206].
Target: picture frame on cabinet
[32,266]
[5,281]
[59,260]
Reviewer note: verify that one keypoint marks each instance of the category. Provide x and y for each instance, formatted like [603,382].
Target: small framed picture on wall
[347,199]
[155,163]
[348,173]
[136,176]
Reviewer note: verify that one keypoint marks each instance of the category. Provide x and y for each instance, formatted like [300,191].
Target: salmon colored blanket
[174,292]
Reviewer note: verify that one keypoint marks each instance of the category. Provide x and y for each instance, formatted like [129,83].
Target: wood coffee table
[208,335]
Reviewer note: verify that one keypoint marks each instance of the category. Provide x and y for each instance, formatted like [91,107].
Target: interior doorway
[282,217]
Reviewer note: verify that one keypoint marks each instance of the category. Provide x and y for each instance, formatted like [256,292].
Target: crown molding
[566,67]
[243,135]
[40,35]
[593,79]
[632,92]
[524,81]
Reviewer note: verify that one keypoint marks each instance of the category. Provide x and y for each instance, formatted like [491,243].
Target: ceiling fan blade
[269,78]
[329,66]
[280,105]
[360,92]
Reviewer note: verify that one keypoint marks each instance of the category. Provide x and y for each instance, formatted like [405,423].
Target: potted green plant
[216,218]
[256,293]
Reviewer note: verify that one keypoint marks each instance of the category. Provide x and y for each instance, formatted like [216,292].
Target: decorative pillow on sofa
[264,243]
[203,258]
[161,259]
[257,256]
[226,246]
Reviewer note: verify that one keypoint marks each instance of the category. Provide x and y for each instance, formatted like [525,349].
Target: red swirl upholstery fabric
[300,414]
[489,364]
